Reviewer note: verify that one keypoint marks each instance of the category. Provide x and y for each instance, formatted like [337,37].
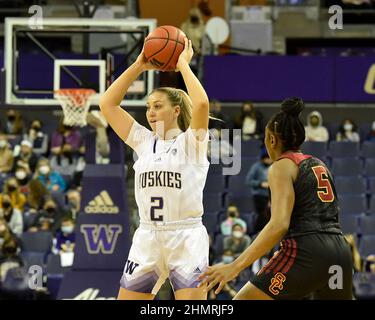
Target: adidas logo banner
[102,203]
[102,229]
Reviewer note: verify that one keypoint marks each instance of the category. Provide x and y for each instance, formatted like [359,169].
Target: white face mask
[237,234]
[20,175]
[228,259]
[44,170]
[67,229]
[348,127]
[3,143]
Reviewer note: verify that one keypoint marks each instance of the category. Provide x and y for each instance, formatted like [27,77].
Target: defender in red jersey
[314,259]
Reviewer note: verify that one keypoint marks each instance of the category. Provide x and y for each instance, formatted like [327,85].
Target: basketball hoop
[75,104]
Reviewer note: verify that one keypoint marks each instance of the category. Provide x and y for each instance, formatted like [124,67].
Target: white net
[75,104]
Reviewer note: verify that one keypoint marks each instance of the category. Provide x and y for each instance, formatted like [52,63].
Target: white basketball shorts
[175,251]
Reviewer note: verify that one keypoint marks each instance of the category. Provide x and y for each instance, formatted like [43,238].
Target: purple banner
[273,78]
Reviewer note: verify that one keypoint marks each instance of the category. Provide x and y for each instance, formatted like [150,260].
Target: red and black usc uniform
[314,257]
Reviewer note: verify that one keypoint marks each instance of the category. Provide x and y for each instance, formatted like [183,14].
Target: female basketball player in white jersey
[170,174]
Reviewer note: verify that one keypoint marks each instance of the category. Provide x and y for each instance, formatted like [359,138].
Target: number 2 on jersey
[159,203]
[325,195]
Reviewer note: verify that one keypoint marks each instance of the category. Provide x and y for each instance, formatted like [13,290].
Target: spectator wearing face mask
[233,217]
[65,237]
[65,134]
[371,135]
[221,120]
[238,241]
[194,29]
[14,125]
[10,257]
[12,189]
[51,179]
[315,131]
[6,156]
[74,204]
[348,132]
[23,179]
[64,163]
[47,219]
[26,159]
[12,216]
[38,139]
[257,180]
[250,121]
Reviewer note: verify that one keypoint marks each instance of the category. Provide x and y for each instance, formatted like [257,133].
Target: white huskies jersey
[169,175]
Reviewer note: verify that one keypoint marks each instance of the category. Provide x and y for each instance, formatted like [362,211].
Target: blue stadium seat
[368,149]
[339,149]
[59,198]
[367,245]
[212,202]
[210,222]
[353,204]
[219,244]
[364,130]
[316,149]
[367,225]
[215,169]
[251,148]
[33,259]
[347,167]
[371,185]
[370,167]
[237,185]
[372,205]
[352,185]
[214,183]
[249,218]
[349,223]
[364,285]
[36,241]
[244,203]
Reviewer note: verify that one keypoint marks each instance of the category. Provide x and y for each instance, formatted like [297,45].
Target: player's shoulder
[284,168]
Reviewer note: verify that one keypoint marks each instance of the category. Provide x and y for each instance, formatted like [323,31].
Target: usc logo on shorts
[277,283]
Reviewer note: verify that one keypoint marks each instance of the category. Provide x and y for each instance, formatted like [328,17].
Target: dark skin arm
[281,176]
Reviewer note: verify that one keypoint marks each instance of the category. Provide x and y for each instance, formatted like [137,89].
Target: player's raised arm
[195,90]
[119,119]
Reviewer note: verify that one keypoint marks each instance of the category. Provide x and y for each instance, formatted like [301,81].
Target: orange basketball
[163,46]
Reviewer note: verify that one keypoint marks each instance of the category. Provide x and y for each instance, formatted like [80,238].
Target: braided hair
[287,124]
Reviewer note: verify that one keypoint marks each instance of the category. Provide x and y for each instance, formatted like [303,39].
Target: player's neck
[171,134]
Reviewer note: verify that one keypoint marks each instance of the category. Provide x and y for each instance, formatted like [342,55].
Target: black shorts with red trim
[317,266]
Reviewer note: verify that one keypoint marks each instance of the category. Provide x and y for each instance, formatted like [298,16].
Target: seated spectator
[233,217]
[64,163]
[348,132]
[357,261]
[371,135]
[6,155]
[11,215]
[65,134]
[37,196]
[194,28]
[47,219]
[26,159]
[315,131]
[12,189]
[10,257]
[222,121]
[51,179]
[257,180]
[5,233]
[74,203]
[238,241]
[14,125]
[250,121]
[38,139]
[370,263]
[23,179]
[65,237]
